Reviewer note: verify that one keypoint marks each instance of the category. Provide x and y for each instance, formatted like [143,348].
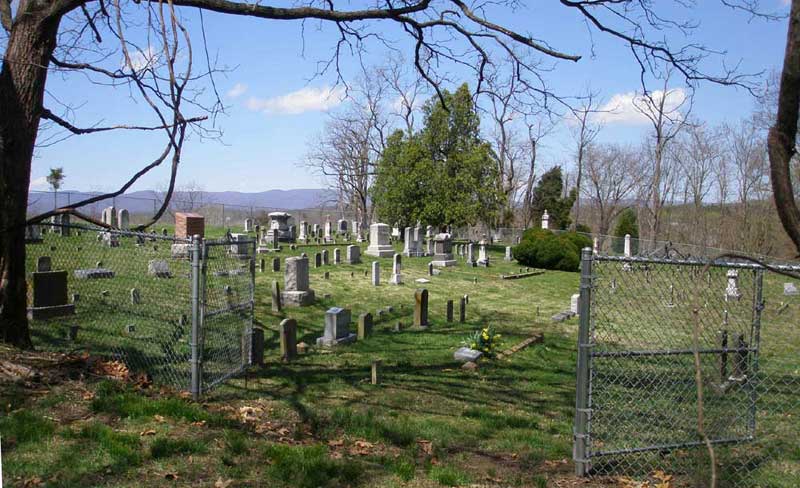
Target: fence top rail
[722,263]
[118,232]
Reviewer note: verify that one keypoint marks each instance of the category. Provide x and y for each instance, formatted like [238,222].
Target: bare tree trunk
[22,83]
[782,135]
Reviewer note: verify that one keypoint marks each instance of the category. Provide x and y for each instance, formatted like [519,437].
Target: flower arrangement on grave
[484,340]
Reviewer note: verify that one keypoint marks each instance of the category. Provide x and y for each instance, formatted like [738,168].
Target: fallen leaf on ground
[147,432]
[426,446]
[220,483]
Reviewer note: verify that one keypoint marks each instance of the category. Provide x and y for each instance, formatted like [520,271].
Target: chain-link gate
[179,310]
[226,301]
[643,322]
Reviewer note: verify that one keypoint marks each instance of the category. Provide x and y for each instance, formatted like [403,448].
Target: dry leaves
[111,369]
[220,483]
[426,446]
[147,433]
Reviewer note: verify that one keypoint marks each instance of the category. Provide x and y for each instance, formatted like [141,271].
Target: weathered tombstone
[483,256]
[297,292]
[124,219]
[109,216]
[408,245]
[262,265]
[327,275]
[43,264]
[188,225]
[732,291]
[462,310]
[337,328]
[50,295]
[136,297]
[276,264]
[595,246]
[430,269]
[325,259]
[397,278]
[364,325]
[303,237]
[33,234]
[279,230]
[545,220]
[471,255]
[355,231]
[110,239]
[62,226]
[376,273]
[158,268]
[248,225]
[288,338]
[337,256]
[256,346]
[443,251]
[790,289]
[627,246]
[508,257]
[449,311]
[466,355]
[341,226]
[93,273]
[379,245]
[573,303]
[317,260]
[276,297]
[376,367]
[421,307]
[328,237]
[353,255]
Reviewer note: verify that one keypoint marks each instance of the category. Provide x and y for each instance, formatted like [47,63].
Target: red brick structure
[189,224]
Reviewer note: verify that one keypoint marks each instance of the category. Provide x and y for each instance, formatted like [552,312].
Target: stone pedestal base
[328,342]
[483,263]
[384,251]
[444,263]
[396,279]
[297,298]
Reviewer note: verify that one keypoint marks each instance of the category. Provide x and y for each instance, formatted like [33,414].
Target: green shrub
[583,229]
[541,248]
[627,223]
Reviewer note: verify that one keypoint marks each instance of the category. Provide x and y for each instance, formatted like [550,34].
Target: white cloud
[625,108]
[142,59]
[238,90]
[39,183]
[307,99]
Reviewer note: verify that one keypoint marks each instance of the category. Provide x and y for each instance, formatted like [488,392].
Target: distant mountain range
[143,201]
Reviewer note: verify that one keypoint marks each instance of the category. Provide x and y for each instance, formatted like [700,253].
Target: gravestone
[337,328]
[573,303]
[158,268]
[376,273]
[189,224]
[397,278]
[93,273]
[364,325]
[328,236]
[279,230]
[276,264]
[471,255]
[732,291]
[627,246]
[449,311]
[303,237]
[296,287]
[50,295]
[462,309]
[355,231]
[443,251]
[110,239]
[124,219]
[790,289]
[341,226]
[33,234]
[136,297]
[43,264]
[109,216]
[421,307]
[353,255]
[248,225]
[467,355]
[408,246]
[545,220]
[430,269]
[483,256]
[379,245]
[508,257]
[315,230]
[288,338]
[276,297]
[337,256]
[325,259]
[317,260]
[61,225]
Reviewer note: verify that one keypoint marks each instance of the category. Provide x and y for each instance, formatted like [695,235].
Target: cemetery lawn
[318,422]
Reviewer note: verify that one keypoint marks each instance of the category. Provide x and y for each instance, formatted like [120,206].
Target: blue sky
[276,106]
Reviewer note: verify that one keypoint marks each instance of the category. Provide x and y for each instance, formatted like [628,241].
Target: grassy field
[318,422]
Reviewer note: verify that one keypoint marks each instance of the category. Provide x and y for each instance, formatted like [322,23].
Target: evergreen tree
[627,223]
[547,196]
[441,175]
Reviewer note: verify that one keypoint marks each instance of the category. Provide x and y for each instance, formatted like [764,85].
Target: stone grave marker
[376,273]
[288,338]
[790,289]
[508,256]
[325,260]
[337,256]
[50,295]
[462,310]
[296,284]
[43,264]
[353,255]
[397,278]
[364,325]
[276,264]
[276,297]
[158,268]
[317,260]
[449,311]
[443,251]
[379,245]
[337,328]
[421,307]
[136,297]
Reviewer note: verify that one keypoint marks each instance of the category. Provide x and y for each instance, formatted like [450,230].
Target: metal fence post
[197,374]
[755,344]
[582,413]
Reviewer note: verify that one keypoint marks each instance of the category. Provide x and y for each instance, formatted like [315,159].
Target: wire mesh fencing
[134,298]
[650,329]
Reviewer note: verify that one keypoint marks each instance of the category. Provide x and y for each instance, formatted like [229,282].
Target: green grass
[429,422]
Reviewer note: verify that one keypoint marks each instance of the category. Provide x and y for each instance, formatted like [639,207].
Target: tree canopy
[548,196]
[442,174]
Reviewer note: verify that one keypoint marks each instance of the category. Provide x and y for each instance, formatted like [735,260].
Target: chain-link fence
[137,299]
[649,329]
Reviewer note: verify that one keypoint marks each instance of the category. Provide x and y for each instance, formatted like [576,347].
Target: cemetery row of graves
[444,354]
